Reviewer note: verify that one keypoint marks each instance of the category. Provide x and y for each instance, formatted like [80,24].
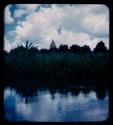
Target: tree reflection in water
[36,102]
[55,104]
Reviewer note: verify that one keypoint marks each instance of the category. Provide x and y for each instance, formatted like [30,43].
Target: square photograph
[56,62]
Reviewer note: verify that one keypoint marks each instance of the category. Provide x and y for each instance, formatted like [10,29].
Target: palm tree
[27,48]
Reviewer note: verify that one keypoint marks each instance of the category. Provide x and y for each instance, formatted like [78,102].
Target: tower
[52,45]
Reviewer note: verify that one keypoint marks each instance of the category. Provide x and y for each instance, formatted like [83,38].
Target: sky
[80,24]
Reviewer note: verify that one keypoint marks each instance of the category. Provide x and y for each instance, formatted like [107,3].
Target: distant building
[52,45]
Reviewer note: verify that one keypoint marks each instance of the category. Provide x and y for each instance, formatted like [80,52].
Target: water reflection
[55,105]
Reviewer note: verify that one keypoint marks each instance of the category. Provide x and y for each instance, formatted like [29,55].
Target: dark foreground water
[44,106]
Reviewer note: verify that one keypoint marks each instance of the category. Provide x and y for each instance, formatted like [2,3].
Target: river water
[45,106]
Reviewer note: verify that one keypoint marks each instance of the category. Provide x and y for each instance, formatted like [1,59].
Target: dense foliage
[75,65]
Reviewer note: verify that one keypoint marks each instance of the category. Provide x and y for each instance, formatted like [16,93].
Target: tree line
[100,48]
[75,65]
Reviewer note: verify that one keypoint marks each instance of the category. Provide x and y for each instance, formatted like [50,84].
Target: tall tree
[75,49]
[85,49]
[100,47]
[63,48]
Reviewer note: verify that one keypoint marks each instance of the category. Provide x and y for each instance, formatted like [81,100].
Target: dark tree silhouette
[63,48]
[20,50]
[100,47]
[43,51]
[85,49]
[5,53]
[26,50]
[73,66]
[75,49]
[33,50]
[53,50]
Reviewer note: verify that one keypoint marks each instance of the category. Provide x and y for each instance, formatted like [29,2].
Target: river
[47,106]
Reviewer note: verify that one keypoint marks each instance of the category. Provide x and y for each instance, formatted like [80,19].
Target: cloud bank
[79,24]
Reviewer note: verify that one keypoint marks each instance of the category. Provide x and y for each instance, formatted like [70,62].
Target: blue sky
[81,24]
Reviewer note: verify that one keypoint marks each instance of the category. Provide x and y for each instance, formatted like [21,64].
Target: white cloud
[38,25]
[97,25]
[29,7]
[99,9]
[8,18]
[8,45]
[23,108]
[23,9]
[81,24]
[18,13]
[84,19]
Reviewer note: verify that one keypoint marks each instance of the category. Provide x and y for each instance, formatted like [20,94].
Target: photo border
[3,5]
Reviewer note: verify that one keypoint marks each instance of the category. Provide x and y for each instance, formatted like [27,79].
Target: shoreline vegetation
[58,66]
